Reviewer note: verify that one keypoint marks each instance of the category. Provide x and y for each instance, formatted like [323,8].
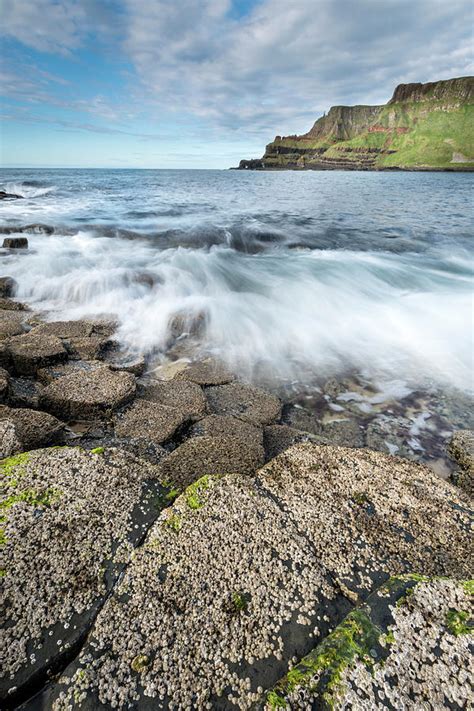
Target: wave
[291,312]
[28,188]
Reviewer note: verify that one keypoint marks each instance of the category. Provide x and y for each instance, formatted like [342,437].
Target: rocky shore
[183,540]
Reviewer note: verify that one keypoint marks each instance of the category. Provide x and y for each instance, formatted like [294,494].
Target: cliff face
[423,126]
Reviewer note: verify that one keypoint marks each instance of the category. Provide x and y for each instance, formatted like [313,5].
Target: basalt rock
[11,324]
[86,395]
[244,401]
[149,421]
[227,426]
[32,351]
[9,196]
[71,520]
[244,575]
[8,286]
[461,449]
[205,372]
[15,243]
[32,428]
[184,396]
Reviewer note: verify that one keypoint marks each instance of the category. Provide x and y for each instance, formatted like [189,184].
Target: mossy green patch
[194,494]
[140,663]
[174,522]
[458,622]
[275,701]
[14,467]
[352,640]
[97,450]
[468,586]
[240,601]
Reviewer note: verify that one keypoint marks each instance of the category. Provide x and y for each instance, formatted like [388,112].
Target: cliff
[423,127]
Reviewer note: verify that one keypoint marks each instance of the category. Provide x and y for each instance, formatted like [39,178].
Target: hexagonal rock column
[86,395]
[243,574]
[71,520]
[30,352]
[244,401]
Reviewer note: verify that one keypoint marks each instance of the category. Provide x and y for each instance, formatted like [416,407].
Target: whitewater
[291,276]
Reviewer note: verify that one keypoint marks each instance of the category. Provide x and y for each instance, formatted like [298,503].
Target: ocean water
[288,274]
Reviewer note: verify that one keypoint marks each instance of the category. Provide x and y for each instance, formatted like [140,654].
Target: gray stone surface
[277,438]
[150,421]
[11,323]
[9,442]
[184,396]
[211,455]
[244,401]
[87,395]
[227,426]
[244,575]
[344,432]
[10,305]
[71,520]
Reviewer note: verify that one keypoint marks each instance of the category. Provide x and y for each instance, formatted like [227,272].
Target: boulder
[15,243]
[277,438]
[84,340]
[461,449]
[227,426]
[11,324]
[53,372]
[24,392]
[211,455]
[244,574]
[7,286]
[71,520]
[33,429]
[205,372]
[184,396]
[10,305]
[32,351]
[408,646]
[86,395]
[244,401]
[149,421]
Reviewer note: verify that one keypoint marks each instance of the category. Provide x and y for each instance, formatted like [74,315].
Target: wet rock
[243,401]
[9,196]
[4,384]
[242,574]
[461,449]
[277,438]
[11,324]
[302,419]
[388,434]
[71,520]
[205,372]
[9,442]
[211,455]
[149,421]
[87,395]
[344,433]
[32,351]
[227,426]
[7,286]
[24,392]
[15,243]
[33,429]
[135,364]
[53,372]
[394,651]
[10,305]
[184,396]
[84,340]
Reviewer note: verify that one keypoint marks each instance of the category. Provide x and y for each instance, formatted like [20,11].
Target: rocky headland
[178,539]
[423,127]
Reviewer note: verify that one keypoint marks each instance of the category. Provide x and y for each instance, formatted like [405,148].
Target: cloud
[283,62]
[271,69]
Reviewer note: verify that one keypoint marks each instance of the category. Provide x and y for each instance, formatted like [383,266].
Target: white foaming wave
[287,311]
[27,191]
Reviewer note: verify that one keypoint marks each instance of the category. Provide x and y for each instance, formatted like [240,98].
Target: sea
[348,293]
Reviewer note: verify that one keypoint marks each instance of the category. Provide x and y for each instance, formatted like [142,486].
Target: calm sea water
[289,274]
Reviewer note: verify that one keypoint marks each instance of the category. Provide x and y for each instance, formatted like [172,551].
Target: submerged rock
[15,243]
[71,520]
[88,394]
[243,574]
[244,401]
[408,646]
[461,449]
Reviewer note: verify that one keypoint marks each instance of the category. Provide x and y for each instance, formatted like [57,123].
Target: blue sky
[203,83]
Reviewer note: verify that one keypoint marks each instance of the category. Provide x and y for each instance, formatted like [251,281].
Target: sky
[204,83]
